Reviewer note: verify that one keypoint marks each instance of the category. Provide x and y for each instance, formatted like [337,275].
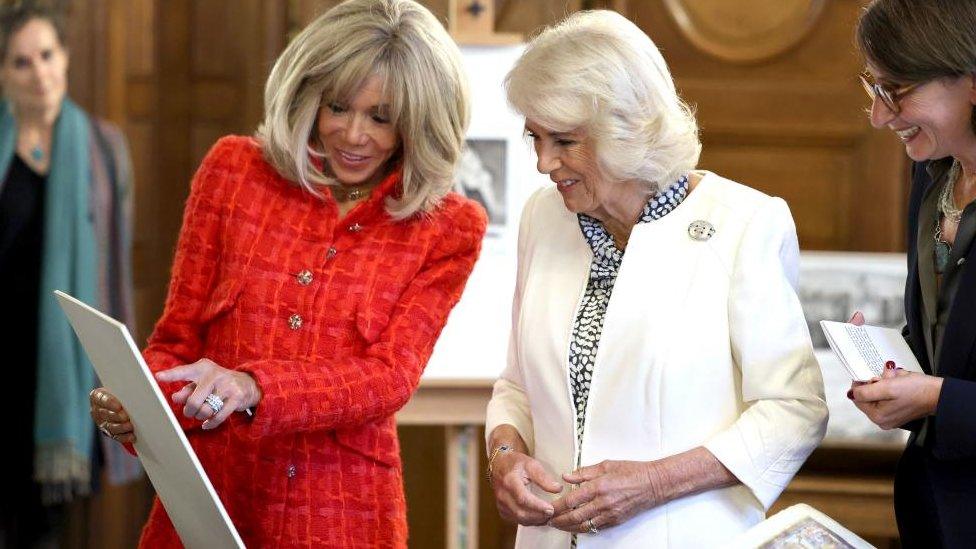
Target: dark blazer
[935,488]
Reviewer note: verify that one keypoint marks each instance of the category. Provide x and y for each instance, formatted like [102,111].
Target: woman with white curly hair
[661,387]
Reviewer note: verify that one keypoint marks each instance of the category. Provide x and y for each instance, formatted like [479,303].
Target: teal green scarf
[63,429]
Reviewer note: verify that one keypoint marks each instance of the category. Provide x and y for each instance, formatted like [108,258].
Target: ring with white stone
[215,403]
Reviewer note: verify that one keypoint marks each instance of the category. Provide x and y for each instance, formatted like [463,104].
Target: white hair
[598,72]
[405,45]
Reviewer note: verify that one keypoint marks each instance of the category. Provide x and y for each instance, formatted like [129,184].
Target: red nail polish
[890,365]
[850,394]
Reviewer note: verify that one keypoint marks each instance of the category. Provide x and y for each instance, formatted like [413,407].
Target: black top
[21,241]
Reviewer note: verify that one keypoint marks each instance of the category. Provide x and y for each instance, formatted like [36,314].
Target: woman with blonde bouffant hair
[315,269]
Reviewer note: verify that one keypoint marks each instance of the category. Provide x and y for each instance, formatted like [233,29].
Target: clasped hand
[606,494]
[602,495]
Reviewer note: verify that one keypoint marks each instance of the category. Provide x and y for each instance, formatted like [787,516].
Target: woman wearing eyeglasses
[921,76]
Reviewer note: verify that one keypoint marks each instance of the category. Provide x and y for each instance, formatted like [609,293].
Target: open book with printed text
[863,350]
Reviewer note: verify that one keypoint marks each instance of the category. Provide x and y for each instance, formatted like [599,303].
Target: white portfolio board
[166,454]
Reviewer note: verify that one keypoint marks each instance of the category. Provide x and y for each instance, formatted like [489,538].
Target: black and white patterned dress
[593,307]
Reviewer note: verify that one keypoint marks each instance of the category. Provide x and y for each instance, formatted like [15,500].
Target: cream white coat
[704,344]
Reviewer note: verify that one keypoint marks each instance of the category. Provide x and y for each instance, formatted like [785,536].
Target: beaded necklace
[948,211]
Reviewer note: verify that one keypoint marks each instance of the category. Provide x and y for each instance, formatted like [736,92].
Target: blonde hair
[597,71]
[404,44]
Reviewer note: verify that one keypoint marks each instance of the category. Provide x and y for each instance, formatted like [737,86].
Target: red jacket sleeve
[304,396]
[178,336]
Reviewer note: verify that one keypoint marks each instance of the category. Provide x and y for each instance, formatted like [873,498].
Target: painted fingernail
[890,365]
[850,394]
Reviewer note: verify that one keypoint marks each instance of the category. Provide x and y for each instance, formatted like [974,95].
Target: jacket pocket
[222,300]
[376,442]
[374,312]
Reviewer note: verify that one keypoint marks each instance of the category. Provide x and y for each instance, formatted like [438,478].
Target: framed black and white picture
[497,170]
[835,284]
[482,176]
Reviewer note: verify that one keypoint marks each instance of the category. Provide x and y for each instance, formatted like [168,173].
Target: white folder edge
[170,462]
[768,530]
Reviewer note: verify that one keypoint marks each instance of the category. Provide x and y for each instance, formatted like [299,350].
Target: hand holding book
[889,385]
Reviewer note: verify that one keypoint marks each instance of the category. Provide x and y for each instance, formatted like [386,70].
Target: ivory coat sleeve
[785,414]
[509,403]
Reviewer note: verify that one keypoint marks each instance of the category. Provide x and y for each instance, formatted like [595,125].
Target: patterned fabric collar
[606,256]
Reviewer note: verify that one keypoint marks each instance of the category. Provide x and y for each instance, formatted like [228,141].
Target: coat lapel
[960,332]
[922,181]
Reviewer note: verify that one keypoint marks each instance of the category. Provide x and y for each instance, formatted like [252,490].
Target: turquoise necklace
[37,153]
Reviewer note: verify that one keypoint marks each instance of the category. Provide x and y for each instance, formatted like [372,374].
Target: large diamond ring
[103,427]
[215,402]
[589,526]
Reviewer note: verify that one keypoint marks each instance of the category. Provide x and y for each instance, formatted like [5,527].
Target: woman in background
[315,268]
[64,219]
[921,77]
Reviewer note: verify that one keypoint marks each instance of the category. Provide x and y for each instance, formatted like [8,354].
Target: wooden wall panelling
[269,18]
[303,12]
[754,31]
[513,16]
[791,123]
[96,41]
[171,126]
[527,18]
[211,61]
[118,512]
[135,22]
[233,47]
[90,35]
[423,451]
[80,20]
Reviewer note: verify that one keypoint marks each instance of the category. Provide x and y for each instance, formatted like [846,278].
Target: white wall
[475,340]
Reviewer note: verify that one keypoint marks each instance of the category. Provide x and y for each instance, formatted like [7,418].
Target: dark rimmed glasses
[890,97]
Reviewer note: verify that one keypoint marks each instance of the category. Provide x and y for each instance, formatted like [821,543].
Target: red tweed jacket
[335,319]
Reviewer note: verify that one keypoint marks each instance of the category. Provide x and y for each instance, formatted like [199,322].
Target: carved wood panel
[792,123]
[745,31]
